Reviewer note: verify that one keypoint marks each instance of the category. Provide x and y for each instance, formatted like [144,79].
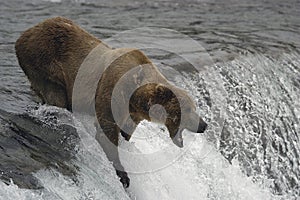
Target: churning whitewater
[249,97]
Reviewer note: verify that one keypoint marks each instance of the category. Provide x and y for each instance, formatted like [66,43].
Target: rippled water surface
[252,87]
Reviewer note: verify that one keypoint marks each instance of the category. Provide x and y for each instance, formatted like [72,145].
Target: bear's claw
[123,178]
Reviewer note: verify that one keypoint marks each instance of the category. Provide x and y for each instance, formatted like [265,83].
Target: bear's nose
[201,127]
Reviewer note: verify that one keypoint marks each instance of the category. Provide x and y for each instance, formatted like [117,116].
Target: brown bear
[51,54]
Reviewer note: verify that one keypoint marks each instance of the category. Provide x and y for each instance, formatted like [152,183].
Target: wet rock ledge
[33,141]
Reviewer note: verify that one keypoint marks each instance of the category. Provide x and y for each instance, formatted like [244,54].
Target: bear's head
[176,109]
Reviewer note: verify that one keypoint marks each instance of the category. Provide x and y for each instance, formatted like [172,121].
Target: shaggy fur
[51,53]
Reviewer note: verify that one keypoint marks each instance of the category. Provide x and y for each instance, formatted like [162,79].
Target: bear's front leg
[108,139]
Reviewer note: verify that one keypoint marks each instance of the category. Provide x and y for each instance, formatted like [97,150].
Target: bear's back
[53,45]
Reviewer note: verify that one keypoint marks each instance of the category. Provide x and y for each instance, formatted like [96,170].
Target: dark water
[255,46]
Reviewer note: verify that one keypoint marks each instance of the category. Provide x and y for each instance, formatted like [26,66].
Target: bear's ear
[164,92]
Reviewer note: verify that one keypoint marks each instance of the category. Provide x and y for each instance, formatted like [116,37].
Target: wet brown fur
[51,53]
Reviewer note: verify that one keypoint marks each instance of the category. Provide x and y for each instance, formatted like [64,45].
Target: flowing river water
[250,151]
